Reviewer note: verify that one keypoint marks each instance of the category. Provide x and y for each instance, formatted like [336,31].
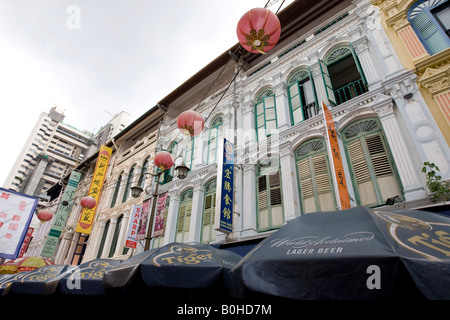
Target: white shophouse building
[330,51]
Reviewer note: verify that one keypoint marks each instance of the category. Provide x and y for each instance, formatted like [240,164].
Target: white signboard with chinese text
[16,212]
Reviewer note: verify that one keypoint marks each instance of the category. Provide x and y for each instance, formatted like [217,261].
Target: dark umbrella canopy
[86,279]
[175,265]
[37,281]
[350,254]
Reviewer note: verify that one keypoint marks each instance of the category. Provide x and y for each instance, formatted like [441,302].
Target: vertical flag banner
[335,155]
[87,215]
[142,230]
[26,242]
[16,212]
[133,226]
[59,222]
[224,196]
[159,219]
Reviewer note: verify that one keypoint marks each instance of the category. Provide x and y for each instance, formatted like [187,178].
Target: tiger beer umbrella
[351,254]
[175,265]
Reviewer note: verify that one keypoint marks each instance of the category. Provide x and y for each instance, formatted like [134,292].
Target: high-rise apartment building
[52,150]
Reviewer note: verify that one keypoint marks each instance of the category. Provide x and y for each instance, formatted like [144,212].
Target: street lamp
[136,191]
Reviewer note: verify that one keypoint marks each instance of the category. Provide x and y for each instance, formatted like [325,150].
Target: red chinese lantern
[88,202]
[164,160]
[259,30]
[190,123]
[45,215]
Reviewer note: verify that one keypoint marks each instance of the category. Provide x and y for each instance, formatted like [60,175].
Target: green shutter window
[102,242]
[116,190]
[270,206]
[266,114]
[215,136]
[112,249]
[126,192]
[316,188]
[372,169]
[209,208]
[327,82]
[184,216]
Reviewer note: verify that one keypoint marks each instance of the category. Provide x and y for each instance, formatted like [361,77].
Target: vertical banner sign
[87,215]
[142,230]
[159,220]
[335,154]
[26,242]
[59,222]
[224,196]
[133,226]
[16,212]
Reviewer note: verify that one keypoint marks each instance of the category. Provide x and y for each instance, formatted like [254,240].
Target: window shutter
[358,65]
[428,31]
[327,82]
[295,103]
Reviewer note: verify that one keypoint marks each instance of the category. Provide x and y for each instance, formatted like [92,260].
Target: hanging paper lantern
[45,215]
[259,30]
[190,123]
[88,202]
[164,160]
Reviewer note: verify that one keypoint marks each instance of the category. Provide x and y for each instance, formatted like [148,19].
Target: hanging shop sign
[16,212]
[59,222]
[87,214]
[135,217]
[335,155]
[224,196]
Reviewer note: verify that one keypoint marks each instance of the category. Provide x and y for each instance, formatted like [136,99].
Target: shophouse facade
[270,107]
[419,33]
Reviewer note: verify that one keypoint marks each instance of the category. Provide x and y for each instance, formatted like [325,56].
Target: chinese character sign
[16,212]
[335,155]
[133,226]
[87,215]
[59,222]
[224,195]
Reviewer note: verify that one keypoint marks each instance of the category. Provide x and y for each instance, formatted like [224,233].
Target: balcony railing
[350,91]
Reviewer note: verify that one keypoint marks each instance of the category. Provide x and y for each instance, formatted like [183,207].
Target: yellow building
[419,32]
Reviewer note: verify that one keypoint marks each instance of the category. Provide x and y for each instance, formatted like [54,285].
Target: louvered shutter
[327,82]
[295,102]
[429,33]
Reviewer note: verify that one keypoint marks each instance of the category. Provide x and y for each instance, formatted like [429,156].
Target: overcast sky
[93,58]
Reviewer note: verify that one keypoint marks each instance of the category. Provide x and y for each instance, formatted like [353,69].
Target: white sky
[115,55]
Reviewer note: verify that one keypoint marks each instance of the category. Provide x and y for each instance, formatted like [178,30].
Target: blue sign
[225,179]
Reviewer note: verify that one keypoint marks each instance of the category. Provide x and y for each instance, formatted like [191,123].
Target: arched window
[270,205]
[112,249]
[215,136]
[314,178]
[144,170]
[102,242]
[430,20]
[184,216]
[116,190]
[372,169]
[342,74]
[265,113]
[209,208]
[192,148]
[302,96]
[131,175]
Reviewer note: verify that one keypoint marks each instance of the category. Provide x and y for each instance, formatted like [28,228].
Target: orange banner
[344,198]
[87,215]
